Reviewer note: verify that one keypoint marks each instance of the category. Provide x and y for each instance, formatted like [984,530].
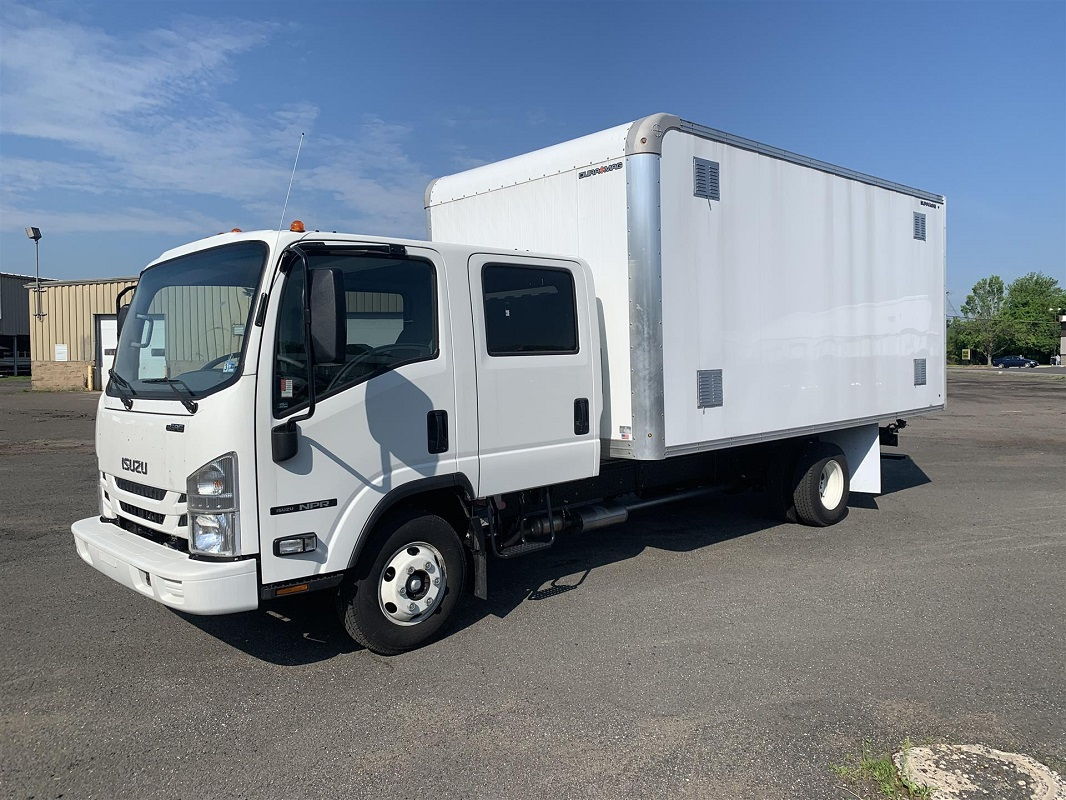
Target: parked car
[1013,361]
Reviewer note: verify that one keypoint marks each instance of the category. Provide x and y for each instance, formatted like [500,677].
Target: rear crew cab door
[536,358]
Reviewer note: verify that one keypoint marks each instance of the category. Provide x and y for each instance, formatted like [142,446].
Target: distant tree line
[1016,319]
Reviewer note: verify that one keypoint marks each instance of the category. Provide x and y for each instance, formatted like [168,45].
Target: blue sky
[128,128]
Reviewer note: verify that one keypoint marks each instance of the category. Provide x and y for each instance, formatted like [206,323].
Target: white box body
[796,298]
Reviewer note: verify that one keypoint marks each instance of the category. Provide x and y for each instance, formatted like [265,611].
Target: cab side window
[391,320]
[529,310]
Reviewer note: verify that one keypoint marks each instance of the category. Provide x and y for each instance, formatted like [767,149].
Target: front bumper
[167,576]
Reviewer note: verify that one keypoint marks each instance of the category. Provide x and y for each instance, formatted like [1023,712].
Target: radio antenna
[285,205]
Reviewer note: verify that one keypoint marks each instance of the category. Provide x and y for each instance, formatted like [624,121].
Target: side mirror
[122,310]
[328,323]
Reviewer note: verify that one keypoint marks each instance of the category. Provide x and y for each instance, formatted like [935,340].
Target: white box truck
[382,418]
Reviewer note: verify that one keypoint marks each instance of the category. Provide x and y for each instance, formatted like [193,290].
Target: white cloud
[120,220]
[21,175]
[151,132]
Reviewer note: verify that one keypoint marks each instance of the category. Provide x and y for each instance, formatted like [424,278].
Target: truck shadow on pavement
[305,630]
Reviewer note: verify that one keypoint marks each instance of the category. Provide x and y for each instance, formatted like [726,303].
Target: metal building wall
[14,310]
[373,303]
[217,310]
[69,310]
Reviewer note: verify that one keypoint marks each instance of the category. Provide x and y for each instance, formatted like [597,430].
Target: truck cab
[292,411]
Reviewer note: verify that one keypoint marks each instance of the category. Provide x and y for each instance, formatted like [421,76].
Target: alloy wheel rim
[412,584]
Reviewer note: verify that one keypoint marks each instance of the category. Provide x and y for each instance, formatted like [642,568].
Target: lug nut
[413,608]
[402,591]
[429,566]
[436,581]
[410,570]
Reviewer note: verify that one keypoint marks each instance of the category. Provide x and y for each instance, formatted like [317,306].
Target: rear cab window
[529,310]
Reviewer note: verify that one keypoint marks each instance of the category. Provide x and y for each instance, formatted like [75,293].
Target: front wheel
[822,485]
[406,585]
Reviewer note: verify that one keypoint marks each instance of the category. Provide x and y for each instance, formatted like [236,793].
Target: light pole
[35,234]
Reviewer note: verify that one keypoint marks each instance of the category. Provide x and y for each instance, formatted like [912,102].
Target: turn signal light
[297,226]
[284,590]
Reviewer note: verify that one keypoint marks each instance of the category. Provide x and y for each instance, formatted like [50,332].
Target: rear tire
[823,482]
[406,585]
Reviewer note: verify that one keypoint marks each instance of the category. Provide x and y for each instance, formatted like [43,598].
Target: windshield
[187,321]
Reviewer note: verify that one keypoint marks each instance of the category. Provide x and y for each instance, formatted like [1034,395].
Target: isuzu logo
[133,465]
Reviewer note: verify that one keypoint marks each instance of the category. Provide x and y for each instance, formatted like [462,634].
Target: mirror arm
[285,437]
[120,295]
[308,344]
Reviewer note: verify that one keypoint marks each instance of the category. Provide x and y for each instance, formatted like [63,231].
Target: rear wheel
[406,585]
[822,485]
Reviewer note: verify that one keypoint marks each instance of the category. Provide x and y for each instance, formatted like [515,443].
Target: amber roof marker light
[297,226]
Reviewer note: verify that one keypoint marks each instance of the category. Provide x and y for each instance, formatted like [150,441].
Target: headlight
[214,534]
[212,494]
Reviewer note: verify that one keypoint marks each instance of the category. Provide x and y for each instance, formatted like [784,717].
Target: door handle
[437,431]
[581,416]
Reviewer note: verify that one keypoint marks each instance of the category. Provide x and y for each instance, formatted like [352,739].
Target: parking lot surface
[699,651]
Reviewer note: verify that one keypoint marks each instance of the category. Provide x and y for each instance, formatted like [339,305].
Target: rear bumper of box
[167,576]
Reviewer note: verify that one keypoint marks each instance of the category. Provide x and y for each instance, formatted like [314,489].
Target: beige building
[72,345]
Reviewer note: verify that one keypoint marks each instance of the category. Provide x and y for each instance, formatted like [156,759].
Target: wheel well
[450,503]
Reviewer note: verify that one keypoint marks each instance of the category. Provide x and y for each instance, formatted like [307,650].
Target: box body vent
[919,226]
[709,388]
[705,179]
[919,372]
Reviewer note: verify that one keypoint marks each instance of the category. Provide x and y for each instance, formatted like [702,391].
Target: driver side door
[372,429]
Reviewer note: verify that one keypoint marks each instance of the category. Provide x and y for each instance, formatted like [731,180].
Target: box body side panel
[572,215]
[808,290]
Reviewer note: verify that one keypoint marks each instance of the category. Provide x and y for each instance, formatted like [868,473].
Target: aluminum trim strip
[644,222]
[795,158]
[653,129]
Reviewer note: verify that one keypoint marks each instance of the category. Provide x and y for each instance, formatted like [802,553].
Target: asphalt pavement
[702,651]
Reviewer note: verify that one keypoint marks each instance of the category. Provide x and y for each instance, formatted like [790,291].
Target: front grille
[143,513]
[165,539]
[150,492]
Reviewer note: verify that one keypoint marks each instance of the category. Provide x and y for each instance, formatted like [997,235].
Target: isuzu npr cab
[296,411]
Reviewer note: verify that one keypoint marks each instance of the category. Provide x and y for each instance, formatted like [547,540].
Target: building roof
[84,281]
[20,275]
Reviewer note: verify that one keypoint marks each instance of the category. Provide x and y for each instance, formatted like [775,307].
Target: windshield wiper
[189,402]
[118,380]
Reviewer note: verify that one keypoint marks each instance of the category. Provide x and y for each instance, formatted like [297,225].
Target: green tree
[959,337]
[987,326]
[1028,303]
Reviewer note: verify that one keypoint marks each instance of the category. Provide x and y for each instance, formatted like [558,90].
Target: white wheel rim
[412,584]
[831,484]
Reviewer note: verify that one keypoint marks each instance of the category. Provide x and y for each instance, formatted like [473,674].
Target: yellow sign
[966,354]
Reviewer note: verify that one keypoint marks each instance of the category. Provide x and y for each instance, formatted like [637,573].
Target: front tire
[406,585]
[822,486]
